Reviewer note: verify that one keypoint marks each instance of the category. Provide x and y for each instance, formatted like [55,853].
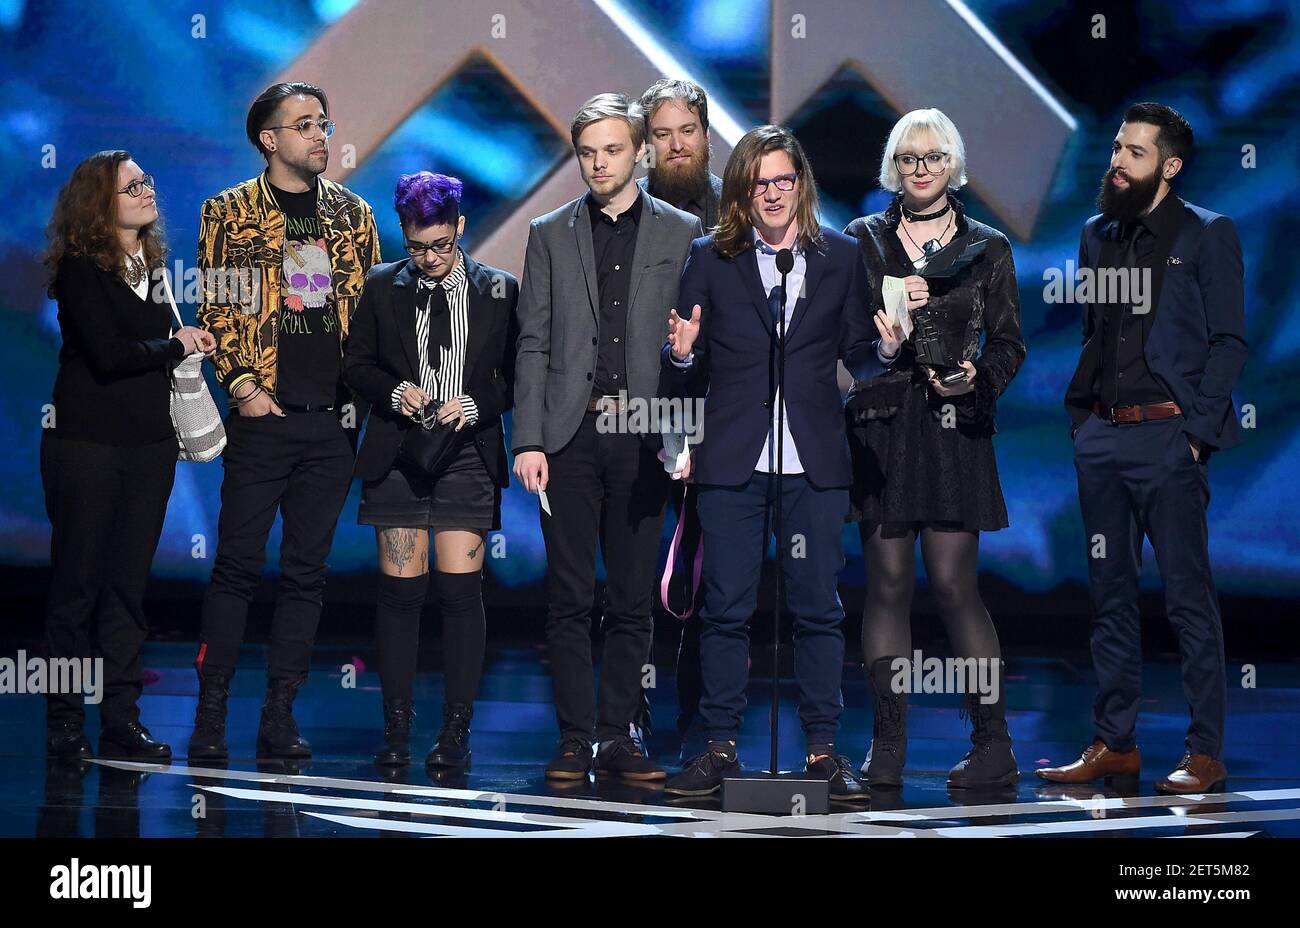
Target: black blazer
[112,386]
[1197,345]
[381,352]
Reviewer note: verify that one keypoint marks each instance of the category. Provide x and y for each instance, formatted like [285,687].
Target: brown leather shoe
[1195,773]
[1097,762]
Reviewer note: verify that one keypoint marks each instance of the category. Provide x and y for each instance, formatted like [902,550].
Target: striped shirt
[445,379]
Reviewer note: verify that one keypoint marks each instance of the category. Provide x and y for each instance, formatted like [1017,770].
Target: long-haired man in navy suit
[725,350]
[1151,401]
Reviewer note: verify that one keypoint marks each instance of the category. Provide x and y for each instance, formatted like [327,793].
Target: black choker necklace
[925,217]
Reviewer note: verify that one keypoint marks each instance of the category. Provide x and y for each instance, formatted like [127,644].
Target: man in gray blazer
[600,275]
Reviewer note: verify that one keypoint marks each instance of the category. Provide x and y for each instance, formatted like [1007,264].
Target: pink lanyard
[696,570]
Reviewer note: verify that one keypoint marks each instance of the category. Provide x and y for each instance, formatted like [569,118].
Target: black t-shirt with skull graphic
[309,364]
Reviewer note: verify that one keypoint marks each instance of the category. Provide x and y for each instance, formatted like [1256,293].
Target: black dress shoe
[399,715]
[67,740]
[208,740]
[132,741]
[836,770]
[277,732]
[704,774]
[451,750]
[622,757]
[572,760]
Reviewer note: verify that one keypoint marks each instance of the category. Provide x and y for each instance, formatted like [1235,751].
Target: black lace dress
[920,459]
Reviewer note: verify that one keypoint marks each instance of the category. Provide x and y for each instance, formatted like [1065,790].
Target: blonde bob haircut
[916,125]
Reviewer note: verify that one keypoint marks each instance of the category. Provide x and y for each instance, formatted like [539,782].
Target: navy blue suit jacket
[1197,345]
[734,364]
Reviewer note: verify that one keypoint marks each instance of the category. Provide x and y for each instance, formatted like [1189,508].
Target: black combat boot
[888,751]
[277,733]
[452,747]
[989,763]
[208,741]
[399,715]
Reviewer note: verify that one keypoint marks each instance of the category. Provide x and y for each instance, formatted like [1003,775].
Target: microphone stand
[784,264]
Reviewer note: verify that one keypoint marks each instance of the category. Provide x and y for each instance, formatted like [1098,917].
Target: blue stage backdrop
[171,82]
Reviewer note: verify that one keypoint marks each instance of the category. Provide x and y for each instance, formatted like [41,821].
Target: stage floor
[340,793]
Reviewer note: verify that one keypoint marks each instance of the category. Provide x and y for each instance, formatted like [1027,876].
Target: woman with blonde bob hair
[922,440]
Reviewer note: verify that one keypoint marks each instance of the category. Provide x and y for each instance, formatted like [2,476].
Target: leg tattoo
[399,545]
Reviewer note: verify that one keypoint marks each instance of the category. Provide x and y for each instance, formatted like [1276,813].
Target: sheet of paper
[896,304]
[546,504]
[677,452]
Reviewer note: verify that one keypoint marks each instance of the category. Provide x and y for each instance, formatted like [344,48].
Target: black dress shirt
[614,243]
[1124,378]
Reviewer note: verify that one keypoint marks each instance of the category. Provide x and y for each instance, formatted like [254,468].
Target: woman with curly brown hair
[109,454]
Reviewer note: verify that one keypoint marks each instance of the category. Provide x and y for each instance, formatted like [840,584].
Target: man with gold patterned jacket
[302,246]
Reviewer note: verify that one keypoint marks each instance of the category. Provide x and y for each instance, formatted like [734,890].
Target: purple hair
[425,199]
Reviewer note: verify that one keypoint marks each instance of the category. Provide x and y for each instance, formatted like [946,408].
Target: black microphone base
[761,793]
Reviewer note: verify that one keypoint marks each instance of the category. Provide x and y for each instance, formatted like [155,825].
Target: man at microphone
[769,233]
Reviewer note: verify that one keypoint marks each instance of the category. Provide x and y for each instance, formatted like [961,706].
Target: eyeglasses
[782,181]
[417,249]
[136,187]
[935,161]
[305,126]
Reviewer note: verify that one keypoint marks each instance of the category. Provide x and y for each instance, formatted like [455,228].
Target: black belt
[307,407]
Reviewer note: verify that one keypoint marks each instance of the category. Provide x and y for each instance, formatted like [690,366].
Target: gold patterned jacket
[241,238]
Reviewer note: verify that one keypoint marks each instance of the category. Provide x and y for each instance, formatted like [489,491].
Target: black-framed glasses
[935,161]
[782,181]
[418,249]
[306,125]
[136,187]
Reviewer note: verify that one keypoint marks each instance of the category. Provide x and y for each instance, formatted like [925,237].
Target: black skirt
[463,496]
[923,463]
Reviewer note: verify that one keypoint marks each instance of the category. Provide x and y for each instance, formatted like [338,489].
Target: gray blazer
[559,310]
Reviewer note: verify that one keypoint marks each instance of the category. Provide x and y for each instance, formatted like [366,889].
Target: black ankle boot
[208,742]
[888,751]
[989,763]
[399,715]
[277,733]
[452,747]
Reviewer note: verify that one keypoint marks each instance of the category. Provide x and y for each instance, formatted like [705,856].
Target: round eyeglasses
[935,161]
[136,187]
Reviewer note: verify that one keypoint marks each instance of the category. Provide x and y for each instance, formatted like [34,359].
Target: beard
[306,167]
[1129,203]
[681,183]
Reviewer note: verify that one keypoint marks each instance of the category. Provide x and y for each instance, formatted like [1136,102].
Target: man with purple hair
[432,344]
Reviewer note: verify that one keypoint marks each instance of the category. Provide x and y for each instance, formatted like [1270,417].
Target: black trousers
[106,506]
[1141,480]
[608,488]
[301,465]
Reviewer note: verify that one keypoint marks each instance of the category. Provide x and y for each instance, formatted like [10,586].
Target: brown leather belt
[1126,415]
[611,405]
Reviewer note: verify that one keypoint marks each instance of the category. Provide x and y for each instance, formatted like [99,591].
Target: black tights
[950,561]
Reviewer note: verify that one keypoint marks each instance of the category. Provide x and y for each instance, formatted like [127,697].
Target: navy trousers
[1141,480]
[737,523]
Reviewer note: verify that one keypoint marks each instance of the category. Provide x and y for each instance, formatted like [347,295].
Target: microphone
[784,261]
